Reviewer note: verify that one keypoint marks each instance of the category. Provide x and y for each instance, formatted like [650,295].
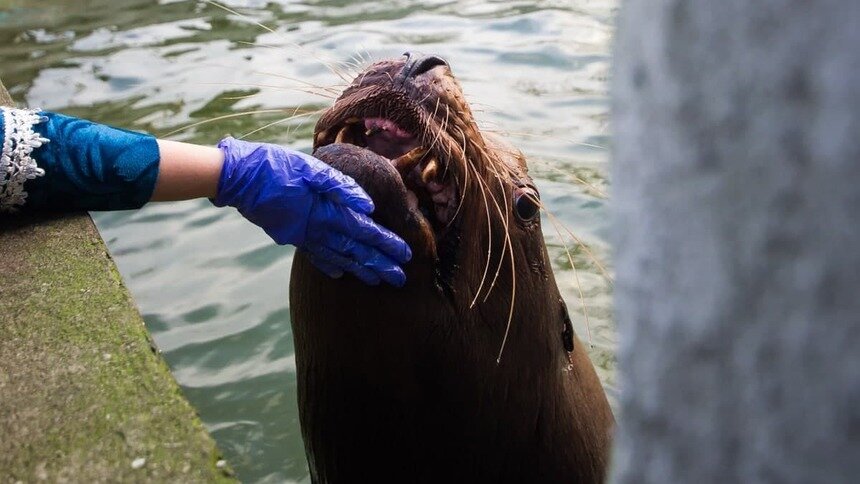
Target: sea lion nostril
[425,64]
[417,64]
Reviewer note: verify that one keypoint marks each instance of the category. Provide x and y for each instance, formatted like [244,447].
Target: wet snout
[418,64]
[396,207]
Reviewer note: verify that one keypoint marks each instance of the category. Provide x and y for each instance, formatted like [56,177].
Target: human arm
[187,171]
[295,198]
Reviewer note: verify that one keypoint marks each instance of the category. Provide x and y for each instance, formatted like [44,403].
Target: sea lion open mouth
[409,384]
[405,121]
[420,169]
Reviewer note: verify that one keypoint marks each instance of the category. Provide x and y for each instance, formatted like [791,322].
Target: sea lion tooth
[407,162]
[341,135]
[430,170]
[321,136]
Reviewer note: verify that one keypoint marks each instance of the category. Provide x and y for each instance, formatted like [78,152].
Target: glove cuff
[259,180]
[248,168]
[227,180]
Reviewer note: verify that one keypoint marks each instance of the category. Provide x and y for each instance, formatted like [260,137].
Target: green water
[213,288]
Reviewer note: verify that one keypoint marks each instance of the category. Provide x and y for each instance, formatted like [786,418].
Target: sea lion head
[474,362]
[405,132]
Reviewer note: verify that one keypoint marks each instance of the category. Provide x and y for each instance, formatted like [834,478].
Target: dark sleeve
[60,163]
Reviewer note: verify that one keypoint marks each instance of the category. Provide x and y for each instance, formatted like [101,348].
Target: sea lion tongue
[397,208]
[386,138]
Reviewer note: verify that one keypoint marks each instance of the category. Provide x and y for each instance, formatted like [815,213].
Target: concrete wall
[84,396]
[737,196]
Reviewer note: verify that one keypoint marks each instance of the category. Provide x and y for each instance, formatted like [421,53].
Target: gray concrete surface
[737,203]
[84,396]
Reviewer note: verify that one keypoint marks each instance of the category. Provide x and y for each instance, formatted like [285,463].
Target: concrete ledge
[83,392]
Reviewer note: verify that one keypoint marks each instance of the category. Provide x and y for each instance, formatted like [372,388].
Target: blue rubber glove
[300,200]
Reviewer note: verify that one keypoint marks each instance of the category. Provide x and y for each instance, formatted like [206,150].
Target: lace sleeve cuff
[17,165]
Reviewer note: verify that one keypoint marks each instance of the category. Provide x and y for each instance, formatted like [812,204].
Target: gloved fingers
[387,269]
[363,229]
[325,266]
[336,186]
[328,256]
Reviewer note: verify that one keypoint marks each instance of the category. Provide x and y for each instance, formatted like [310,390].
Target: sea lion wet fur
[406,384]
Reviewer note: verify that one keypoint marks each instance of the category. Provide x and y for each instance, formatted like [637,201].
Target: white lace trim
[16,163]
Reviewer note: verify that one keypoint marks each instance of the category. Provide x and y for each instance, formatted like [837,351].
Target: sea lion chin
[471,372]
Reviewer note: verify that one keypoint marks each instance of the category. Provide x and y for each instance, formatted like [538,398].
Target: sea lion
[471,372]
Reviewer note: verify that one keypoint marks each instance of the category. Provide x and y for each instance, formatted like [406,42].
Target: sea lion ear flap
[567,328]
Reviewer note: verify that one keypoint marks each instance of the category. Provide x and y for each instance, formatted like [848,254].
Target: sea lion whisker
[331,66]
[328,65]
[425,98]
[353,65]
[356,59]
[295,115]
[293,44]
[220,118]
[516,153]
[510,248]
[243,16]
[280,87]
[513,298]
[445,129]
[369,55]
[576,179]
[360,63]
[523,134]
[239,98]
[334,88]
[291,131]
[486,107]
[556,223]
[492,165]
[581,243]
[465,188]
[504,248]
[268,86]
[578,284]
[489,236]
[441,129]
[361,81]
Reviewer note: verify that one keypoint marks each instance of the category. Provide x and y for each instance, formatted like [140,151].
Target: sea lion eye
[526,203]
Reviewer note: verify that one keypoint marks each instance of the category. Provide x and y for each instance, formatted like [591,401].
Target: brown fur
[404,384]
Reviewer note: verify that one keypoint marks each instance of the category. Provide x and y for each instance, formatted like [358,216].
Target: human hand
[300,200]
